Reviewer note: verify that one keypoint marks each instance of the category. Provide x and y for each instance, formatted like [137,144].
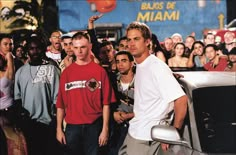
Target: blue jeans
[82,139]
[118,136]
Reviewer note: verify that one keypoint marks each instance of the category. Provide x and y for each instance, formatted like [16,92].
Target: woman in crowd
[12,140]
[155,48]
[20,56]
[197,58]
[178,60]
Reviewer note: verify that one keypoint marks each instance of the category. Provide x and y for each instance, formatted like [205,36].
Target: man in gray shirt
[36,88]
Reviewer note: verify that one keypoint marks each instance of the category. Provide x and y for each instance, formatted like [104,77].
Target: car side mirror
[167,134]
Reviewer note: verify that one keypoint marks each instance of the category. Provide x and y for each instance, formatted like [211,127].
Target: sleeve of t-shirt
[60,103]
[55,84]
[108,95]
[206,66]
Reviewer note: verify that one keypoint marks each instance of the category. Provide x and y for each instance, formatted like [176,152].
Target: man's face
[232,57]
[229,38]
[107,53]
[123,46]
[176,39]
[55,40]
[210,53]
[82,48]
[168,43]
[6,45]
[210,39]
[123,64]
[67,46]
[19,52]
[189,42]
[136,43]
[34,52]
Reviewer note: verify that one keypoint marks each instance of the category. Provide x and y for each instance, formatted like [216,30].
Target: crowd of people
[77,95]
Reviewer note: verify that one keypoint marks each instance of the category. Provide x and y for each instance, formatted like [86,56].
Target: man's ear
[62,45]
[132,64]
[50,39]
[148,41]
[90,46]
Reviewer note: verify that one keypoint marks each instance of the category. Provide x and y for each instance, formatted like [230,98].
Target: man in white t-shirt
[157,94]
[54,50]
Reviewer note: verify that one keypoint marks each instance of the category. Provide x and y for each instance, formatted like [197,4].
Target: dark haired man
[36,88]
[231,60]
[122,44]
[54,50]
[125,97]
[66,43]
[210,51]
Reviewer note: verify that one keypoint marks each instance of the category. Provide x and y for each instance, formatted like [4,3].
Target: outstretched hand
[95,17]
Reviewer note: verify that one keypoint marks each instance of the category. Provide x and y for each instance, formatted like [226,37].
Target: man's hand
[92,19]
[118,117]
[61,136]
[103,138]
[95,17]
[164,146]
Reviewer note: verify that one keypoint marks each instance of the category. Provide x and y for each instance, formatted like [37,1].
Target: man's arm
[60,134]
[180,108]
[10,66]
[103,138]
[92,19]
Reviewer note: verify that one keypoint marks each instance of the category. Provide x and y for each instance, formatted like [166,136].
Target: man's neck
[127,78]
[36,62]
[1,53]
[53,50]
[83,62]
[141,58]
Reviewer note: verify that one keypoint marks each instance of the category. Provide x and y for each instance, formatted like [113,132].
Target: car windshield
[215,112]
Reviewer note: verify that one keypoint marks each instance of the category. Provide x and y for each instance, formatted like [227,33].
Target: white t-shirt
[155,91]
[55,56]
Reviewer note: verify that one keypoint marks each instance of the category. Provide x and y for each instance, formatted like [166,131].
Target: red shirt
[220,67]
[83,91]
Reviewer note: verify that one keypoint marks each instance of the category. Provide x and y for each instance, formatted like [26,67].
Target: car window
[215,113]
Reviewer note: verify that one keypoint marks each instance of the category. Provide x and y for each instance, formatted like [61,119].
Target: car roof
[201,79]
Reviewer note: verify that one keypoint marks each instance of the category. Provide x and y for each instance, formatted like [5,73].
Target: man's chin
[123,73]
[35,58]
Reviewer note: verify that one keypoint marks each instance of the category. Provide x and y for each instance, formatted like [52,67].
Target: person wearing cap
[231,61]
[176,37]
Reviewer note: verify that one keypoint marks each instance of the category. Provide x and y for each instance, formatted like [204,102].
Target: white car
[210,124]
